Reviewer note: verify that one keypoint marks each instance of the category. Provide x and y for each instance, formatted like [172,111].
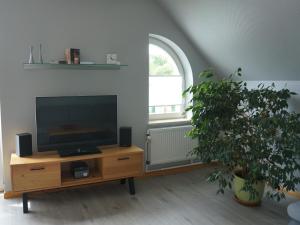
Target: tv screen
[79,121]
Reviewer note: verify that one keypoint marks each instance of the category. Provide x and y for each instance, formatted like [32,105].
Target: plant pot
[243,197]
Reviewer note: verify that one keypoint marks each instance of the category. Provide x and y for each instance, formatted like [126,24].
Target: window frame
[166,47]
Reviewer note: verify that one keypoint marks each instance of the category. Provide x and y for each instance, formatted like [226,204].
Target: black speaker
[125,136]
[24,144]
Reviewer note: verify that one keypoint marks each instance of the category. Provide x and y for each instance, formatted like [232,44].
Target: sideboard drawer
[122,166]
[37,176]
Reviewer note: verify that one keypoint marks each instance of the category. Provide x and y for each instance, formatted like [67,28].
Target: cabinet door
[130,165]
[35,177]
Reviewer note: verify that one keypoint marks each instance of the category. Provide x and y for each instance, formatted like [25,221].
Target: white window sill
[169,122]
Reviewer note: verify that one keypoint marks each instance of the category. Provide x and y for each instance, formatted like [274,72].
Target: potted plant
[250,133]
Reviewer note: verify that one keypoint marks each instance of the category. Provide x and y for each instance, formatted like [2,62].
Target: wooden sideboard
[45,171]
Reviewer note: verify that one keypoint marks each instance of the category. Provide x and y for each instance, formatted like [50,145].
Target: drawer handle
[124,158]
[37,168]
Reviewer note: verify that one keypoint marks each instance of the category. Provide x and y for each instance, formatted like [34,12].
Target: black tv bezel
[48,149]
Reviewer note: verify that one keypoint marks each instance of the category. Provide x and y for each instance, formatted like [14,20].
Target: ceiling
[261,36]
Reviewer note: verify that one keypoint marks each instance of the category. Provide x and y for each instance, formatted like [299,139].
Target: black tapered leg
[25,202]
[131,185]
[123,181]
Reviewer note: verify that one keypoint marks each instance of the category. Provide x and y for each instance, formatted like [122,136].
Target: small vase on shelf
[41,55]
[31,60]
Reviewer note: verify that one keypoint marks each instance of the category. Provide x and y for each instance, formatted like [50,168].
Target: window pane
[160,62]
[165,91]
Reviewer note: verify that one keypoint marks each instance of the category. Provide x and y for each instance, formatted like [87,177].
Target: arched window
[166,81]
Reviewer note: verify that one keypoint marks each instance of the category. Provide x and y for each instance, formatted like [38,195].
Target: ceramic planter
[243,197]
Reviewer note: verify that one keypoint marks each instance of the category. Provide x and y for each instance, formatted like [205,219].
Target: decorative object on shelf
[112,59]
[31,60]
[72,55]
[250,132]
[40,54]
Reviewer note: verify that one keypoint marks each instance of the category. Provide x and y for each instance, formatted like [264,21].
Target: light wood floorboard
[182,199]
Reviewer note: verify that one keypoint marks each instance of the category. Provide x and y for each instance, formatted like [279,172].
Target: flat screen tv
[76,121]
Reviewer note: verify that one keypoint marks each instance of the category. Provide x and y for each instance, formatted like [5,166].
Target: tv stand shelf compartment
[45,171]
[69,181]
[95,175]
[50,66]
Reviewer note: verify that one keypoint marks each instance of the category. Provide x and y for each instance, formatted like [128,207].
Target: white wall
[1,156]
[261,36]
[96,27]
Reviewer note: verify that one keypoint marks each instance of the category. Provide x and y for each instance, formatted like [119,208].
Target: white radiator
[167,145]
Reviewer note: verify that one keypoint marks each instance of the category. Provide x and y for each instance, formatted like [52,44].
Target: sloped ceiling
[261,36]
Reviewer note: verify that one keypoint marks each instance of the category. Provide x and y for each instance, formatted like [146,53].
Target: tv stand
[46,171]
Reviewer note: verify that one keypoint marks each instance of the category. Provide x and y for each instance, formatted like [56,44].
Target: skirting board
[294,194]
[162,172]
[179,169]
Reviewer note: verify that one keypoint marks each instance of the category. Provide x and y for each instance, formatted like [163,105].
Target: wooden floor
[182,199]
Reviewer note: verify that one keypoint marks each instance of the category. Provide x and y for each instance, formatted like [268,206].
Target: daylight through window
[166,82]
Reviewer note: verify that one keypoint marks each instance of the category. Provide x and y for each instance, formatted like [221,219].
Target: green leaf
[252,130]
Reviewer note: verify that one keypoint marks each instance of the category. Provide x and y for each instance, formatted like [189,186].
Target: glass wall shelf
[49,66]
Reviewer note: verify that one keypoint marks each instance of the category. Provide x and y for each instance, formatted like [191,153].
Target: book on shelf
[72,55]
